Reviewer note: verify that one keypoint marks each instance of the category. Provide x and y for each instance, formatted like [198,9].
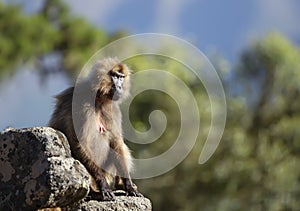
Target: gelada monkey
[98,142]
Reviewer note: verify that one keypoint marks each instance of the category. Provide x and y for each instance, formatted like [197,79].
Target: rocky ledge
[37,171]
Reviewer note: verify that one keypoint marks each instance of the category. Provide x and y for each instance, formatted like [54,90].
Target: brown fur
[103,153]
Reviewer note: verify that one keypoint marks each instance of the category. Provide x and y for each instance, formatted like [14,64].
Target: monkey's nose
[119,83]
[119,88]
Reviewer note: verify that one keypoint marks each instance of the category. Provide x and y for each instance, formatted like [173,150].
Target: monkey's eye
[117,75]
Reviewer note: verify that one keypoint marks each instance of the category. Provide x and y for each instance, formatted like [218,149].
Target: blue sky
[225,27]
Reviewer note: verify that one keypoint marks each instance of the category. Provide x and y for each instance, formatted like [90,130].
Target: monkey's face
[117,81]
[110,79]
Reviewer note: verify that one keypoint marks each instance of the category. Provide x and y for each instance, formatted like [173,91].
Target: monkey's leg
[104,193]
[122,170]
[98,174]
[130,187]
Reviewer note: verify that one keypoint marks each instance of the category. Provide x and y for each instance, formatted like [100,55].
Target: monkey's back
[61,119]
[62,115]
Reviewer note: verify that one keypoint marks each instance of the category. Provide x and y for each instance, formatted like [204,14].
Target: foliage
[31,39]
[22,37]
[256,164]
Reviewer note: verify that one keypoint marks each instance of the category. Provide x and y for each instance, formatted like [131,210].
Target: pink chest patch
[102,128]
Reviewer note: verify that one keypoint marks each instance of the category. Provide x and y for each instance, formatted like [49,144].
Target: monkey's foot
[103,195]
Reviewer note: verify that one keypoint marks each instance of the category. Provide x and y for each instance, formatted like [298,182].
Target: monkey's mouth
[116,92]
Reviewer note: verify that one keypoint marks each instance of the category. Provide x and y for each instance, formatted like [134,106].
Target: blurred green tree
[256,166]
[22,37]
[52,33]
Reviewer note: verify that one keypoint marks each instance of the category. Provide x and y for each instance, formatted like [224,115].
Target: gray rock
[37,170]
[121,203]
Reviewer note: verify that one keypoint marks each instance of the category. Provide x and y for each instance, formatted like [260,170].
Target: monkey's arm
[122,160]
[100,189]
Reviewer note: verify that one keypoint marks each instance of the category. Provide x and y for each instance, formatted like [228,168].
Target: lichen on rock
[37,170]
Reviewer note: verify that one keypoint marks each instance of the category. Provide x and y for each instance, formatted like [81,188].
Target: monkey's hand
[102,195]
[131,190]
[107,195]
